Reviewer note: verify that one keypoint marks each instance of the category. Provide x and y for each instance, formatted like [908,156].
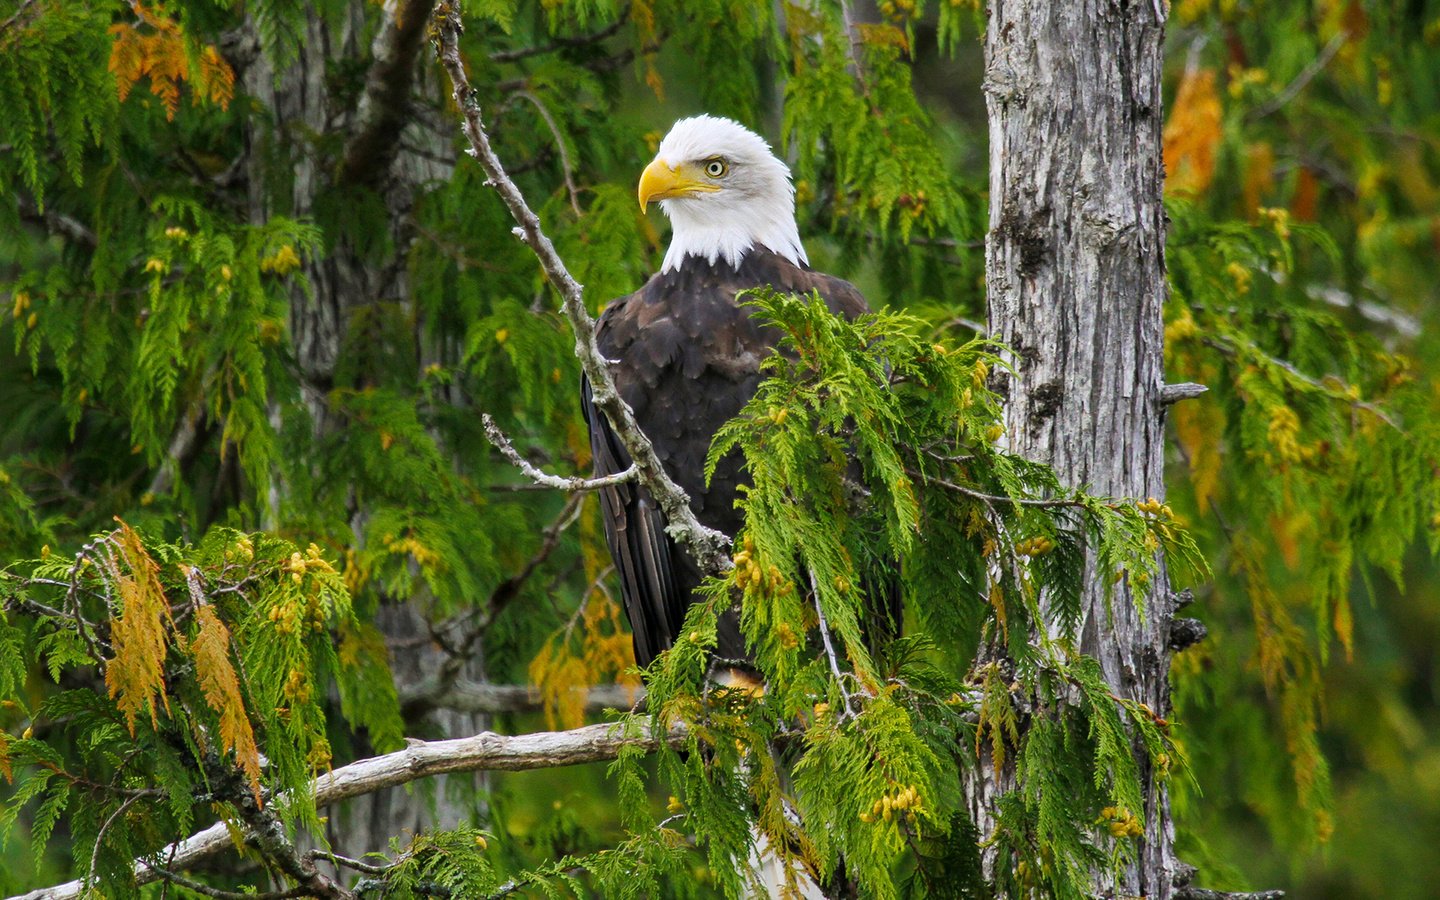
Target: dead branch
[421,759]
[1190,893]
[65,226]
[541,477]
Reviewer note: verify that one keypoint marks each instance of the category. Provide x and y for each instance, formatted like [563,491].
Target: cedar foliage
[203,658]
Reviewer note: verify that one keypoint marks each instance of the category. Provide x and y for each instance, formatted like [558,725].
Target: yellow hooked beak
[660,181]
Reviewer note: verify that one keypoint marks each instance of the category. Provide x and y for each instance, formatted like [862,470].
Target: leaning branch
[1248,352]
[705,545]
[1293,89]
[421,759]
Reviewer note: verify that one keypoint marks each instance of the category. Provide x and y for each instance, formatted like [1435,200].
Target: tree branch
[561,43]
[1249,352]
[558,482]
[421,759]
[22,10]
[1306,75]
[705,545]
[58,223]
[382,113]
[220,894]
[480,620]
[566,168]
[1184,390]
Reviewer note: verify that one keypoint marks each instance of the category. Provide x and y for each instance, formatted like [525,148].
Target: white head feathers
[724,191]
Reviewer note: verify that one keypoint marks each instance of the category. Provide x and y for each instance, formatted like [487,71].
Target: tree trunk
[1075,266]
[303,106]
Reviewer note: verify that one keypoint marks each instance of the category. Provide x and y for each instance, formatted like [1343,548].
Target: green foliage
[1333,432]
[855,423]
[43,53]
[217,334]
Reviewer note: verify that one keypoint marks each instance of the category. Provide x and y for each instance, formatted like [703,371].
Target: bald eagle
[686,356]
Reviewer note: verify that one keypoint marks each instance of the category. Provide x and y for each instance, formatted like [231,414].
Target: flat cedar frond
[998,716]
[210,649]
[157,48]
[135,675]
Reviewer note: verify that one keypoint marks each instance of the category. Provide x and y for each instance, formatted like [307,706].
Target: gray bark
[1076,281]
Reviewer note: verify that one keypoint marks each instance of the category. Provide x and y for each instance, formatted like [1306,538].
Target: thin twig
[1237,351]
[505,592]
[563,43]
[119,811]
[567,170]
[1057,503]
[348,862]
[558,482]
[1306,75]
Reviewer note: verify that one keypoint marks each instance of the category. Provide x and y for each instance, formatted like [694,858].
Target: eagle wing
[635,530]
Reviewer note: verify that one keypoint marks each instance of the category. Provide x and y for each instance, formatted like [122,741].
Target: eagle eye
[716,168]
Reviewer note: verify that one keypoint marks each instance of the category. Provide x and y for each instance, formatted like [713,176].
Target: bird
[685,355]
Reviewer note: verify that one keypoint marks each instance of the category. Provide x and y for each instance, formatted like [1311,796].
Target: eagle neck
[721,238]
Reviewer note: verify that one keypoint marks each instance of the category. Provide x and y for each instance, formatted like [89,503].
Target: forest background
[158,152]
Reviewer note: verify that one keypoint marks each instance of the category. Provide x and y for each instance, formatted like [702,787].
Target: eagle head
[724,191]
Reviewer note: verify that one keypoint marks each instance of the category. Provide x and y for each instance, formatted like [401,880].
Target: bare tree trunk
[1075,269]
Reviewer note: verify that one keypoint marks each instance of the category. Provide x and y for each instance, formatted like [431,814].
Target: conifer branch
[20,11]
[480,620]
[1307,74]
[1249,352]
[1036,502]
[705,545]
[567,169]
[58,223]
[421,759]
[562,43]
[541,477]
[206,890]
